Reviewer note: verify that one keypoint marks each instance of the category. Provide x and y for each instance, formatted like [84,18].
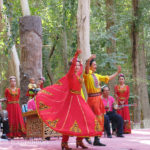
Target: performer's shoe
[80,144]
[64,146]
[4,136]
[109,136]
[120,135]
[48,138]
[88,140]
[97,142]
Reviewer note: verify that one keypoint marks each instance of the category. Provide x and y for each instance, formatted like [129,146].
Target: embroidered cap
[12,77]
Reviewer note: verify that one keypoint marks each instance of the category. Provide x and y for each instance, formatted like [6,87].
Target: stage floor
[138,140]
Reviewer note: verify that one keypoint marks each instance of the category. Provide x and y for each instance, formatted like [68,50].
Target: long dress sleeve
[73,65]
[6,93]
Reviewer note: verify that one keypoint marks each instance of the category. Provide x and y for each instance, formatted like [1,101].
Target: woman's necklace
[122,86]
[13,89]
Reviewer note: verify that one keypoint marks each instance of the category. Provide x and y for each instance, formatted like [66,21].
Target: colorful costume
[16,123]
[123,95]
[31,90]
[92,84]
[63,109]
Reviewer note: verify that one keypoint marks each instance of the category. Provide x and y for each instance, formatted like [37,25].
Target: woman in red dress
[122,92]
[63,109]
[16,123]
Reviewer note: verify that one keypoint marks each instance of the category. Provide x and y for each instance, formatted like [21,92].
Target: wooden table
[36,127]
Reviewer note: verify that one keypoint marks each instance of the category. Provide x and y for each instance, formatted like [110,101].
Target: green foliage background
[60,15]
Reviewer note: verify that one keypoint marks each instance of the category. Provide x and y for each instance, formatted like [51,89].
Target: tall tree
[139,68]
[83,28]
[110,22]
[64,38]
[31,51]
[31,48]
[25,7]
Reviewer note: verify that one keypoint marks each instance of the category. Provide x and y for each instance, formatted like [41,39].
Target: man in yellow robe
[92,82]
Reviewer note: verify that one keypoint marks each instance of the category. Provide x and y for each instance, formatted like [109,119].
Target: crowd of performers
[63,108]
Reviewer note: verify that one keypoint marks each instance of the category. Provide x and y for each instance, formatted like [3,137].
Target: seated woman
[31,103]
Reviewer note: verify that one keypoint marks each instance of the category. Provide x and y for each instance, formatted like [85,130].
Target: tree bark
[25,7]
[83,28]
[64,39]
[83,31]
[64,50]
[145,106]
[136,86]
[139,71]
[31,52]
[110,21]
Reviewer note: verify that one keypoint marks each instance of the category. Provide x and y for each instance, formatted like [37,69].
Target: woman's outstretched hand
[118,69]
[78,52]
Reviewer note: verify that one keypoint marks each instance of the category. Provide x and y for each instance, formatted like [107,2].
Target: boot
[64,146]
[97,142]
[4,136]
[88,140]
[80,144]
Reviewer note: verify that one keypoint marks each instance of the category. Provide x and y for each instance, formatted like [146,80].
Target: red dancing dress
[16,123]
[123,95]
[63,109]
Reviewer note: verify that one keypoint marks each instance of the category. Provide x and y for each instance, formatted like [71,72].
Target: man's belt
[122,98]
[93,94]
[13,102]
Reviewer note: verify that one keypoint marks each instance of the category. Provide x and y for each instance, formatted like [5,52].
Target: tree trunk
[64,50]
[145,106]
[64,39]
[110,21]
[31,51]
[136,86]
[139,71]
[83,31]
[25,7]
[83,28]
